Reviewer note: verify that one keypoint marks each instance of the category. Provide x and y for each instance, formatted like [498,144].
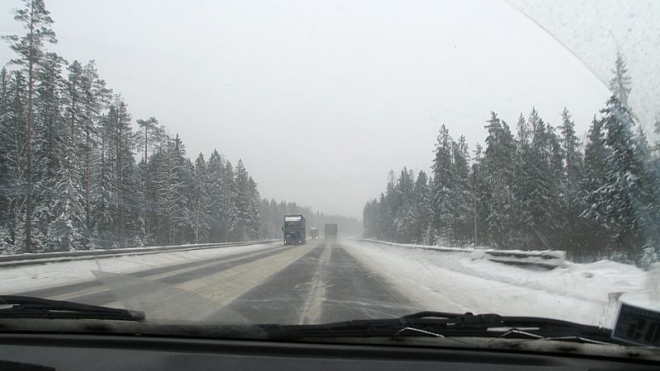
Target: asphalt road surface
[314,283]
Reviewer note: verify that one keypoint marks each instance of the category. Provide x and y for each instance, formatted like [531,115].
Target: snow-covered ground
[41,276]
[462,281]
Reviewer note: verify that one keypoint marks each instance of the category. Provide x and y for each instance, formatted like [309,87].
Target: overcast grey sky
[322,98]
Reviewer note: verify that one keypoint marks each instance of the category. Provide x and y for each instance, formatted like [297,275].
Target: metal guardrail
[43,258]
[546,259]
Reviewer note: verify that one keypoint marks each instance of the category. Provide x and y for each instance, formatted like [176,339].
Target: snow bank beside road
[546,259]
[32,277]
[451,281]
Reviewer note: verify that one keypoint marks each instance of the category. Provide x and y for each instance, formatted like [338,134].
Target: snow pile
[536,258]
[425,247]
[584,293]
[650,296]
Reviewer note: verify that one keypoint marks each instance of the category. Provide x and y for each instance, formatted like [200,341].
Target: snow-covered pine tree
[480,190]
[242,203]
[620,85]
[384,220]
[254,222]
[497,165]
[443,187]
[6,243]
[389,208]
[276,217]
[50,130]
[128,194]
[13,159]
[158,222]
[405,217]
[462,200]
[217,198]
[173,197]
[542,199]
[230,210]
[74,108]
[117,197]
[58,207]
[423,209]
[595,155]
[188,226]
[650,216]
[102,185]
[571,201]
[370,219]
[624,198]
[31,49]
[619,193]
[266,227]
[556,229]
[655,149]
[523,186]
[150,134]
[200,200]
[96,98]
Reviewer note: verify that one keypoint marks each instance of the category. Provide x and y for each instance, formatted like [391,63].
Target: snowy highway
[325,282]
[317,282]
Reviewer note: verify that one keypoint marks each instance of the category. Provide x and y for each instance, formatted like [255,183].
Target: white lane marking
[313,307]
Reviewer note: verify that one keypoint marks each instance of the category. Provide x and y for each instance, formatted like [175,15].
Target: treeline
[538,189]
[76,175]
[272,218]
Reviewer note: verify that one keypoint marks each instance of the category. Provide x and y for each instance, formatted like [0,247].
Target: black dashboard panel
[89,352]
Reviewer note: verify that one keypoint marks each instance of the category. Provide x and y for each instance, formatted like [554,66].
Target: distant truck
[313,233]
[330,232]
[294,230]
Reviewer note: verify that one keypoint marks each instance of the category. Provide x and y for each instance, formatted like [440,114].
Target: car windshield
[309,162]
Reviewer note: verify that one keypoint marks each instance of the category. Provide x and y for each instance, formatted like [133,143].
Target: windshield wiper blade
[442,324]
[513,326]
[14,306]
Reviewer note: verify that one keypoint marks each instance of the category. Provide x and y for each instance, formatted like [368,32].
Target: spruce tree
[620,85]
[230,213]
[405,216]
[541,197]
[461,201]
[96,98]
[625,195]
[31,49]
[200,200]
[498,197]
[443,186]
[255,220]
[242,203]
[217,198]
[423,211]
[524,184]
[14,162]
[571,201]
[151,133]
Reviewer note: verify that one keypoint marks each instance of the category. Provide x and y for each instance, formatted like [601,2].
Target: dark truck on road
[330,231]
[294,230]
[313,233]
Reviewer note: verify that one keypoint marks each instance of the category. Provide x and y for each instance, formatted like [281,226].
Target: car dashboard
[37,352]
